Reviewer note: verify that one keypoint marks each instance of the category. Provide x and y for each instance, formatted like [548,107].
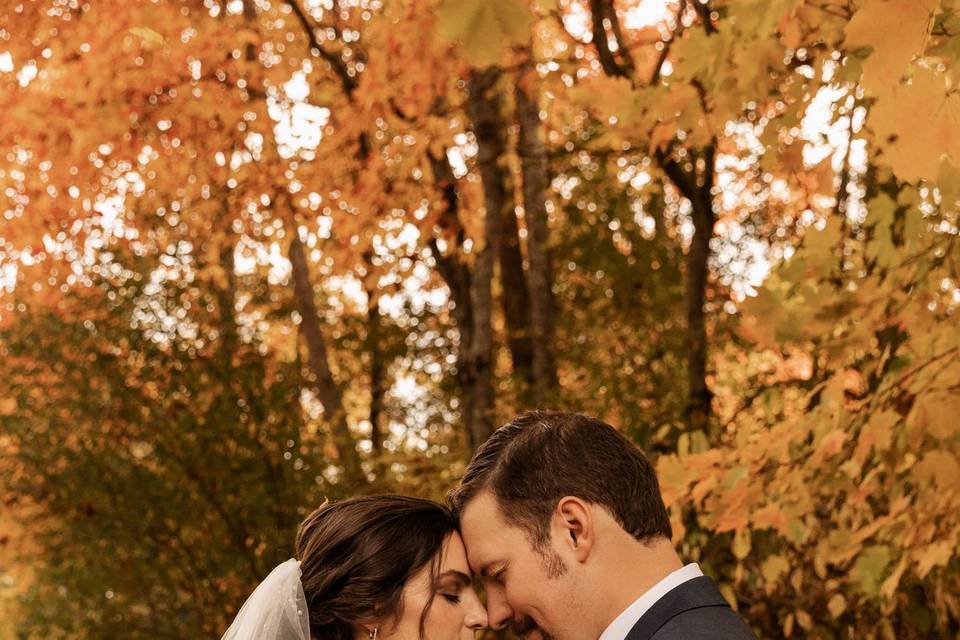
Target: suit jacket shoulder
[715,623]
[695,610]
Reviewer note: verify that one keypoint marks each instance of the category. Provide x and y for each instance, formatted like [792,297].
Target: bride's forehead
[454,552]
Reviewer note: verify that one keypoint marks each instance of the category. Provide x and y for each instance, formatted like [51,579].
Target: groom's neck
[635,567]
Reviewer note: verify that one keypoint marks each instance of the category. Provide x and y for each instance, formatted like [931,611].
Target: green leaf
[869,569]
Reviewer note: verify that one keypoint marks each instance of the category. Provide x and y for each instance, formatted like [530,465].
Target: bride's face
[456,612]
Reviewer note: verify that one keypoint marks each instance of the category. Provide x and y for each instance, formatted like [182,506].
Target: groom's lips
[527,627]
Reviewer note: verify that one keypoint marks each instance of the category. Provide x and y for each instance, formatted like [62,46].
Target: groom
[563,522]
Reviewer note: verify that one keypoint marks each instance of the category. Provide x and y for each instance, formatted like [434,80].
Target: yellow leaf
[608,96]
[788,625]
[820,246]
[916,124]
[832,443]
[837,605]
[790,33]
[937,554]
[482,26]
[662,135]
[741,543]
[877,433]
[939,468]
[8,406]
[514,18]
[774,567]
[871,26]
[889,586]
[935,414]
[149,38]
[729,595]
[770,516]
[881,210]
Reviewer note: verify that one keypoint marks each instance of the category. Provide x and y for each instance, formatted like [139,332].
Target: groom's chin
[528,630]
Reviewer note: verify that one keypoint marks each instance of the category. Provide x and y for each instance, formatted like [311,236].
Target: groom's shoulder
[714,623]
[693,610]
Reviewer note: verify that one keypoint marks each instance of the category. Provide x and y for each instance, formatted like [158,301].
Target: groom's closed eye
[493,572]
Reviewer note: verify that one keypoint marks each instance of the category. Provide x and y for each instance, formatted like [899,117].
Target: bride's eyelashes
[452,598]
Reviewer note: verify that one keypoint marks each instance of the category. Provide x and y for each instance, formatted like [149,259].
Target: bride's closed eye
[451,585]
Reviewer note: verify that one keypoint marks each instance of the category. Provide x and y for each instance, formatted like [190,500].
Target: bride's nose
[476,619]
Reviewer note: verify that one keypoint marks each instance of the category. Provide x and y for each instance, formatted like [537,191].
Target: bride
[368,568]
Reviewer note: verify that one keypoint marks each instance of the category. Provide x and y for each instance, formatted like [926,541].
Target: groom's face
[527,589]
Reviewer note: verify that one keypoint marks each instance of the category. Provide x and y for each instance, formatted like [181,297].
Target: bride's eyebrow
[462,579]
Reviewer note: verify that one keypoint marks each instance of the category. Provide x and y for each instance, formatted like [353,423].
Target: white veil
[276,610]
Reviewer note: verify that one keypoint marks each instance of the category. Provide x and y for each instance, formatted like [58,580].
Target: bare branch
[601,10]
[335,61]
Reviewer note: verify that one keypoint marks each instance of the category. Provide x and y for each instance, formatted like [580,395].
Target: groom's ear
[574,519]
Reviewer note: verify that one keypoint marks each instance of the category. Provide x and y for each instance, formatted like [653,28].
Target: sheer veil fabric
[276,610]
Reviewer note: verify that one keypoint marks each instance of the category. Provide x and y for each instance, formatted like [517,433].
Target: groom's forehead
[483,514]
[490,539]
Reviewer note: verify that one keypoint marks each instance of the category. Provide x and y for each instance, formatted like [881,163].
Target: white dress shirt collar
[623,623]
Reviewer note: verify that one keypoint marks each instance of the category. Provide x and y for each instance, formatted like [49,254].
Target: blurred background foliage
[258,253]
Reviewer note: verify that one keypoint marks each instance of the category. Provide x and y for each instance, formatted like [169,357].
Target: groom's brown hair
[539,457]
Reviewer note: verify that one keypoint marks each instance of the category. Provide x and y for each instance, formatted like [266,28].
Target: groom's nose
[499,611]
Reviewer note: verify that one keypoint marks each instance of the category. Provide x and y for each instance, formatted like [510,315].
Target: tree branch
[599,11]
[348,81]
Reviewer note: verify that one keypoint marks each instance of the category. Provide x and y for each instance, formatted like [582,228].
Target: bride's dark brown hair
[356,555]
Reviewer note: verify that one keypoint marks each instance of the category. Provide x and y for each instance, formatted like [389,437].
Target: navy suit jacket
[694,610]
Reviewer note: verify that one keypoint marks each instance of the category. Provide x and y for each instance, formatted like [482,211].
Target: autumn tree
[254,254]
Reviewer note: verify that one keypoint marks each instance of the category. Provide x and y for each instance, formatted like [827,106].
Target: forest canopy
[258,253]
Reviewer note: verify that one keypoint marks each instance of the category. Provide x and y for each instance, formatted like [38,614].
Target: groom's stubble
[528,630]
[554,567]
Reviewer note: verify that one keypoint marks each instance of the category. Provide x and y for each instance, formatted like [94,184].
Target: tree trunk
[697,189]
[378,365]
[457,276]
[226,292]
[533,166]
[322,382]
[483,108]
[698,394]
[321,379]
[516,299]
[696,270]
